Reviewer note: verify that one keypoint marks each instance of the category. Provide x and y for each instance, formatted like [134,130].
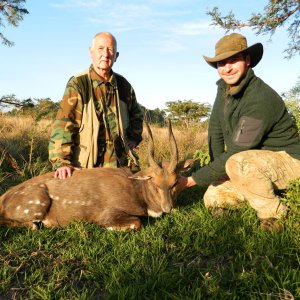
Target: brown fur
[109,197]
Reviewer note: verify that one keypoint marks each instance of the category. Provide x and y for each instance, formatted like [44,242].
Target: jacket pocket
[247,131]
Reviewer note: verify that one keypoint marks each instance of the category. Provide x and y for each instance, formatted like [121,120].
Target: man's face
[233,69]
[103,53]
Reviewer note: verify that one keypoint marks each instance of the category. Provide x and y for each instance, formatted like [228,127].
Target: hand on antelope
[109,197]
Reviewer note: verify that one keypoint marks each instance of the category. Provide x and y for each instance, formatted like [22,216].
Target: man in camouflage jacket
[99,121]
[253,142]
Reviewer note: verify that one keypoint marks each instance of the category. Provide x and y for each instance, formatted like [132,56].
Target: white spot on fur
[26,211]
[43,204]
[30,202]
[42,185]
[18,207]
[56,198]
[37,202]
[51,196]
[38,214]
[70,202]
[154,214]
[22,193]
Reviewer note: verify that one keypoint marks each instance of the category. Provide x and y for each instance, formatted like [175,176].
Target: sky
[161,43]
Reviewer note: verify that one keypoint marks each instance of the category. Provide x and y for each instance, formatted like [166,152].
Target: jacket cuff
[59,164]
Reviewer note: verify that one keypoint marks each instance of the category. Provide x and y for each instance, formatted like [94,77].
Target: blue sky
[161,43]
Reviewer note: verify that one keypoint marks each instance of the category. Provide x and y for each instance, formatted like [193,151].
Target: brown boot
[217,212]
[271,224]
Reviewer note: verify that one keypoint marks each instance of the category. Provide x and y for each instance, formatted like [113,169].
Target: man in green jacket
[99,121]
[253,142]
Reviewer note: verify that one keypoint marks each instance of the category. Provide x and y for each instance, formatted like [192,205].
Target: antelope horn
[174,150]
[153,164]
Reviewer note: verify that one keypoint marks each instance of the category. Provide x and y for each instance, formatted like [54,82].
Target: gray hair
[108,34]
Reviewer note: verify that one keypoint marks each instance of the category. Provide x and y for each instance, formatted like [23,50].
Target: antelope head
[164,175]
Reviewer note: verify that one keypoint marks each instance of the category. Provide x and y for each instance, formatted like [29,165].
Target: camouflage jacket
[117,112]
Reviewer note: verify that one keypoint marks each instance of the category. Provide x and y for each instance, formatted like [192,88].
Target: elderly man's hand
[64,172]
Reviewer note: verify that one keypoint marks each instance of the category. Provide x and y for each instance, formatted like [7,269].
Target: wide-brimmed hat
[232,44]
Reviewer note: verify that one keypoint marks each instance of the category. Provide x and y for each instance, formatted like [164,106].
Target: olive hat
[232,44]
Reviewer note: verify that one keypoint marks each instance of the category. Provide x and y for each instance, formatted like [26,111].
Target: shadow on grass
[190,196]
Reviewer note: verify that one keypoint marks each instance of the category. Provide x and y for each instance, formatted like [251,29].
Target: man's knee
[236,165]
[222,195]
[246,169]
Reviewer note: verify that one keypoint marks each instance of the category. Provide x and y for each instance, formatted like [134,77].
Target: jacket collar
[98,80]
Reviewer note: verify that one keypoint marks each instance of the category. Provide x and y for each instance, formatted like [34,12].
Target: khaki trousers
[254,176]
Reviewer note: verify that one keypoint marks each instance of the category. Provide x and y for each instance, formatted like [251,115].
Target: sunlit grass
[187,254]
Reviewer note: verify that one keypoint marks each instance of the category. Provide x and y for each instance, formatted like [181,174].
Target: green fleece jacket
[252,117]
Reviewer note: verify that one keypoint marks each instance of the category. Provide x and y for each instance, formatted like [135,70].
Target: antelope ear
[140,177]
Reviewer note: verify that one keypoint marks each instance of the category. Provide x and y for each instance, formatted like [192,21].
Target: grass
[187,254]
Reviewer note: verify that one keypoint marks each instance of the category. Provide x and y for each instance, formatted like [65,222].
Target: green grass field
[187,254]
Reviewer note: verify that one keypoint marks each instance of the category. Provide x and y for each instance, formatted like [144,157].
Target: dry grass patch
[24,138]
[23,148]
[188,141]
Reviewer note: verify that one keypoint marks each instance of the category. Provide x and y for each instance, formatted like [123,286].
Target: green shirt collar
[97,80]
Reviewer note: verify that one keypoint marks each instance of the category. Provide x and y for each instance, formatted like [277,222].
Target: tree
[187,111]
[8,100]
[292,101]
[155,116]
[46,109]
[276,14]
[13,12]
[43,108]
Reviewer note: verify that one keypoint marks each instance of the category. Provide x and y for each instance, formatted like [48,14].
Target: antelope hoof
[133,225]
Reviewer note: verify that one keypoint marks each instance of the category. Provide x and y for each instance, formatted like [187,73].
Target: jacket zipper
[240,131]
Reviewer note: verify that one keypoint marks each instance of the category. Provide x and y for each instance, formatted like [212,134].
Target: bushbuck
[110,197]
